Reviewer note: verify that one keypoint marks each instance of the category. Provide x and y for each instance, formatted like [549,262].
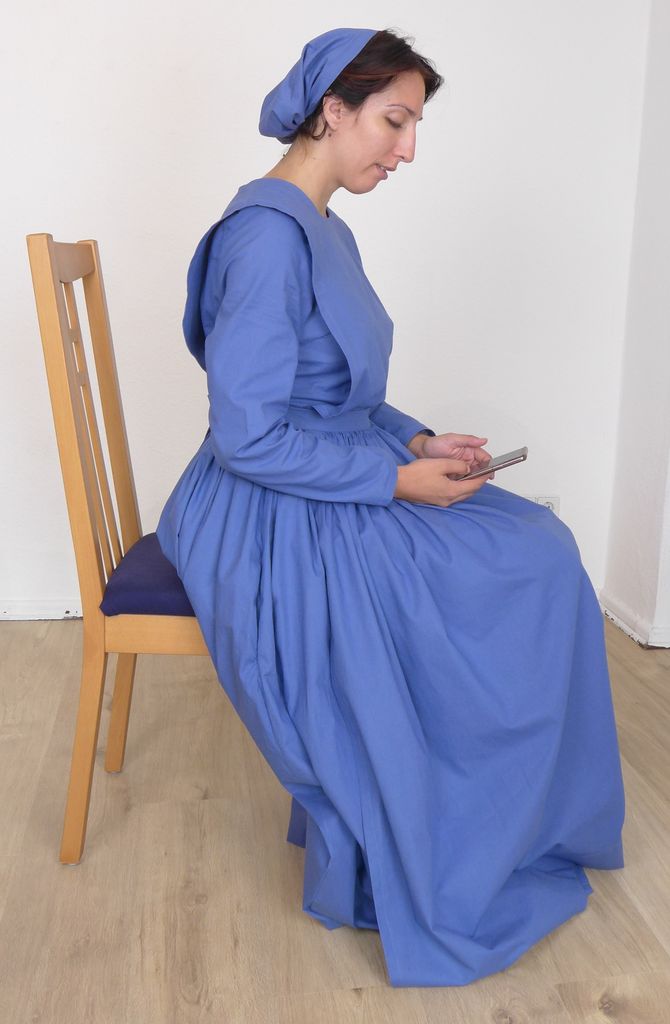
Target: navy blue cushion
[145,583]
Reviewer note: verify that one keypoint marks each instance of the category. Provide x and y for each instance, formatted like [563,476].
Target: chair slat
[106,515]
[87,459]
[110,399]
[107,508]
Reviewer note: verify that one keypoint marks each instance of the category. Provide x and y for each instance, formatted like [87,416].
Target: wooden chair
[116,564]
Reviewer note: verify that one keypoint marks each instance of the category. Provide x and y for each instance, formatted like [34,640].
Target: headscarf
[297,95]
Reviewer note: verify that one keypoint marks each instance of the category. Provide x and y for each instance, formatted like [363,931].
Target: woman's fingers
[462,440]
[454,468]
[466,485]
[469,440]
[482,456]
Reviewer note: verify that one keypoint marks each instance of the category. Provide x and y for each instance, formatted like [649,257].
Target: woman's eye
[395,125]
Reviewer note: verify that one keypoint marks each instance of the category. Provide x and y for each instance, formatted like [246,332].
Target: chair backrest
[101,532]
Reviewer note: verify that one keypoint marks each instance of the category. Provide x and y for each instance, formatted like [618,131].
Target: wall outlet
[551,501]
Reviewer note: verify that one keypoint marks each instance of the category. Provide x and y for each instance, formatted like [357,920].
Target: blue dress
[429,684]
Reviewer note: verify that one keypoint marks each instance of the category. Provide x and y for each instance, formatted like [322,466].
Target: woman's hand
[428,480]
[466,447]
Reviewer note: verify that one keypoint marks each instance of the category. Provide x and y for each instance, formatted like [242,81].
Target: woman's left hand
[456,446]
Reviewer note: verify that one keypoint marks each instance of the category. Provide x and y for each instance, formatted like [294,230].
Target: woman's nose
[405,151]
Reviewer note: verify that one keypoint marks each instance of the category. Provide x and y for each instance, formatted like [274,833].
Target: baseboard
[632,624]
[659,636]
[64,608]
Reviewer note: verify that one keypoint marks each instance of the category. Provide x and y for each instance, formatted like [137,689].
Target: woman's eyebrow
[408,109]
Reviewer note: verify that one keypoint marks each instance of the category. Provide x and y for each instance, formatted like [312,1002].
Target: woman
[420,660]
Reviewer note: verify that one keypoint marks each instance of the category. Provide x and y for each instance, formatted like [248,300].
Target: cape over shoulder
[347,302]
[262,251]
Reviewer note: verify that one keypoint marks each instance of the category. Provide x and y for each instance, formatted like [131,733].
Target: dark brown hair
[384,57]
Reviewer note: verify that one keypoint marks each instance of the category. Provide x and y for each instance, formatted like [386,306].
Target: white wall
[660,626]
[637,587]
[502,253]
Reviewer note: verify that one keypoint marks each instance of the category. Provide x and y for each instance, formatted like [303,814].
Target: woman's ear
[332,110]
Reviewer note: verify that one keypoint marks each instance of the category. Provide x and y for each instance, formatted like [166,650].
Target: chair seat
[145,583]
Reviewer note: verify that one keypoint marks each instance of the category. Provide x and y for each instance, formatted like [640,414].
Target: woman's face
[380,132]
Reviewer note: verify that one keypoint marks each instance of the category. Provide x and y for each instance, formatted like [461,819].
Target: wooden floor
[187,904]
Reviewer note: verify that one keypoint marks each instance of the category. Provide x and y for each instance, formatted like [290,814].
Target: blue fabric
[297,95]
[145,583]
[430,684]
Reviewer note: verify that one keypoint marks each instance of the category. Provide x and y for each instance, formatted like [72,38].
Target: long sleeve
[400,424]
[251,357]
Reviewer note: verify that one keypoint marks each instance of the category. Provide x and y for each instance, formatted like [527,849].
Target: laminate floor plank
[187,905]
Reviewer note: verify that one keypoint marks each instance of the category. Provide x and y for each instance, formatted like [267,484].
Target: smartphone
[500,461]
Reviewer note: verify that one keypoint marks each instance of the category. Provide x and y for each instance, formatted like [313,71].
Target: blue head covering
[294,98]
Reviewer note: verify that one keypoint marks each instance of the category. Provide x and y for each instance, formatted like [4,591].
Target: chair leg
[118,723]
[94,665]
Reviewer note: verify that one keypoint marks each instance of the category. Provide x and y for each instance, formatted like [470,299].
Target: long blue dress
[429,684]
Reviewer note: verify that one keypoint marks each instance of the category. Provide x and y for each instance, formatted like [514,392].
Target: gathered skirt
[431,687]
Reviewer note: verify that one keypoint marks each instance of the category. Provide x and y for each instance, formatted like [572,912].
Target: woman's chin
[362,185]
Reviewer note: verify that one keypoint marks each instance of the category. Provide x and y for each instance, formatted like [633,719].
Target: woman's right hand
[426,480]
